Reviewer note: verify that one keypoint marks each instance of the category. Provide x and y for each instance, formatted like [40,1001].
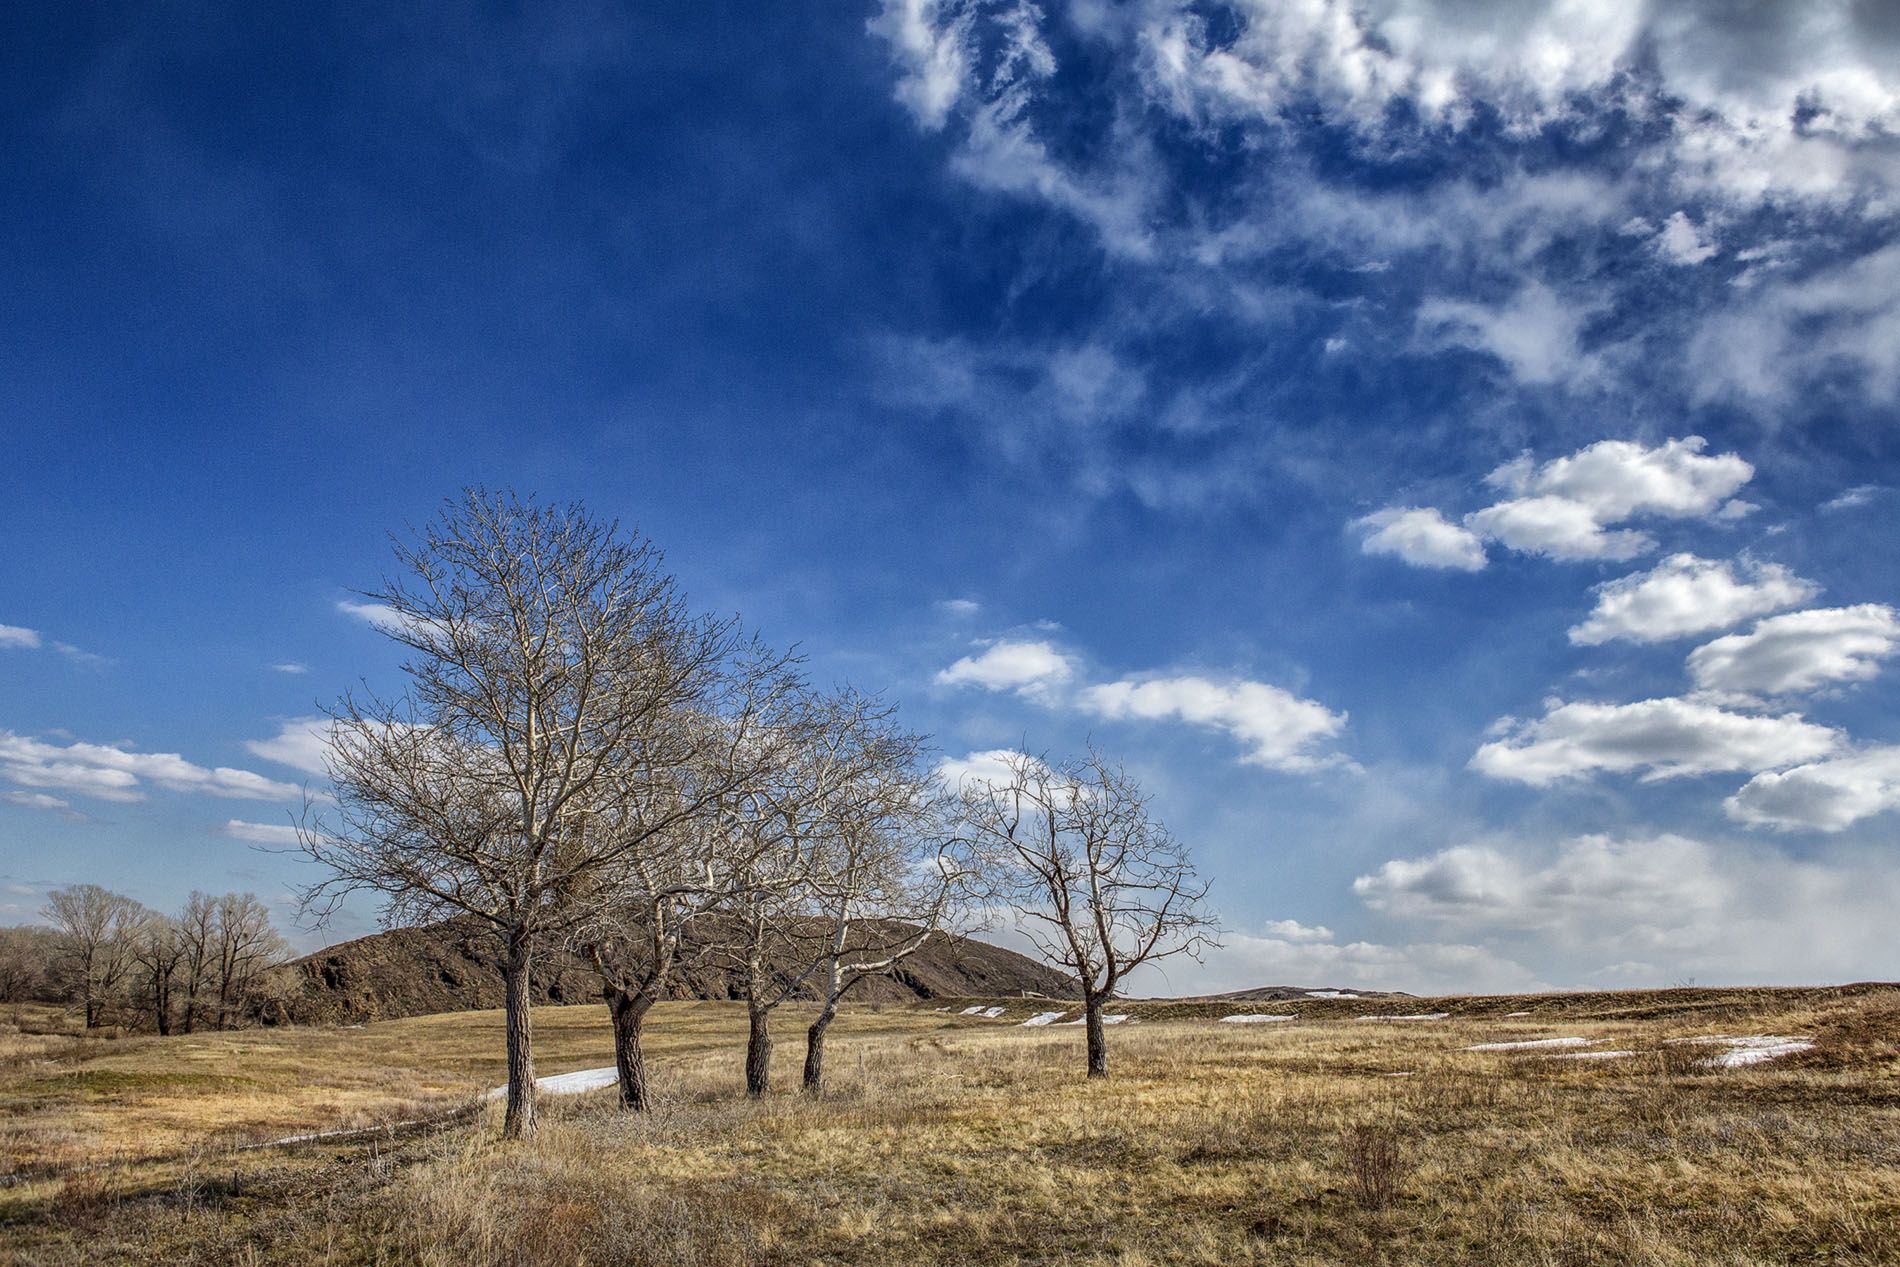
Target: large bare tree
[1097,884]
[547,652]
[243,944]
[158,949]
[98,931]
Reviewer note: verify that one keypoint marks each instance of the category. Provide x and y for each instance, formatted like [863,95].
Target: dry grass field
[952,1140]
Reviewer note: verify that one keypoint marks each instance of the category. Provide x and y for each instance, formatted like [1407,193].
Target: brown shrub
[1374,1165]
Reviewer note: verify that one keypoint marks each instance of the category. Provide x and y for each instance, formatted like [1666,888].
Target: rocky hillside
[456,966]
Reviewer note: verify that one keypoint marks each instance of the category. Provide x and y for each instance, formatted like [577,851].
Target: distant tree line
[582,761]
[122,963]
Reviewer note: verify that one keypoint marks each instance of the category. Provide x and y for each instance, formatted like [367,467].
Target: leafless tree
[197,927]
[548,651]
[26,956]
[886,869]
[158,949]
[98,930]
[244,945]
[1098,885]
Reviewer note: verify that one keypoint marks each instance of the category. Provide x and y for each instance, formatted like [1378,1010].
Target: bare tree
[158,949]
[244,944]
[197,927]
[26,956]
[1098,885]
[886,870]
[547,652]
[98,930]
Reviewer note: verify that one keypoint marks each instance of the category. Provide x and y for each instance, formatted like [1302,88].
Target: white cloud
[1421,537]
[1853,498]
[375,615]
[1680,242]
[1293,930]
[291,667]
[1279,729]
[1799,651]
[959,607]
[1824,795]
[261,833]
[114,774]
[1557,528]
[1654,909]
[1565,508]
[302,743]
[1665,738]
[1687,595]
[1028,668]
[1537,333]
[993,766]
[16,638]
[929,39]
[33,800]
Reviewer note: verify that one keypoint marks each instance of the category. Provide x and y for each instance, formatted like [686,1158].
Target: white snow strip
[971,1011]
[1252,1018]
[568,1083]
[1331,994]
[1115,1018]
[992,1012]
[1529,1044]
[1046,1018]
[1509,1015]
[1590,1055]
[1415,1016]
[1750,1049]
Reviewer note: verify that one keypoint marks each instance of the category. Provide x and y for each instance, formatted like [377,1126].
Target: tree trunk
[758,1053]
[629,1011]
[520,1120]
[815,1048]
[1098,1038]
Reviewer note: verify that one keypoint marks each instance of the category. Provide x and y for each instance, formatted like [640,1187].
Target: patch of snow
[1331,994]
[1509,1015]
[1750,1049]
[1115,1018]
[1415,1016]
[1529,1044]
[971,1011]
[1591,1055]
[991,1012]
[568,1083]
[1046,1018]
[1252,1018]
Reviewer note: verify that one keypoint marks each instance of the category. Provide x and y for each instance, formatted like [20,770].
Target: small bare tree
[886,870]
[98,931]
[197,928]
[1098,885]
[26,958]
[548,651]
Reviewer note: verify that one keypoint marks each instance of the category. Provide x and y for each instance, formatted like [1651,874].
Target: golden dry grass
[943,1140]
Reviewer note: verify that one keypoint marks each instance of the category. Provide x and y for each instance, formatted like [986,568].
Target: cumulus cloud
[1028,668]
[1566,508]
[991,766]
[1278,729]
[1275,957]
[34,800]
[1800,651]
[1651,909]
[261,833]
[1422,537]
[15,637]
[1664,738]
[375,615]
[1825,796]
[1686,595]
[113,774]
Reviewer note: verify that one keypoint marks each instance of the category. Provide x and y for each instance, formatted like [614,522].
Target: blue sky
[1448,451]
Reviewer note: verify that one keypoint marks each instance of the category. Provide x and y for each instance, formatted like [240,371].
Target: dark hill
[455,966]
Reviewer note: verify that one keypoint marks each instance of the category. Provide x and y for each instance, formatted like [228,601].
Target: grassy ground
[946,1140]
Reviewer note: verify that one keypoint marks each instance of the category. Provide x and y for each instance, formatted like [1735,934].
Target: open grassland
[951,1140]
